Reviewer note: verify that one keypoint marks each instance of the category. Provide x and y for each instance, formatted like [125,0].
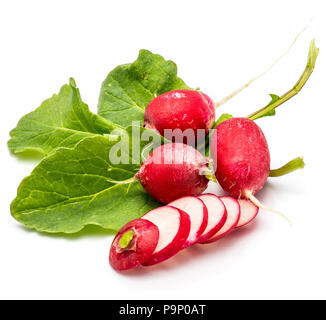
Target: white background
[217,45]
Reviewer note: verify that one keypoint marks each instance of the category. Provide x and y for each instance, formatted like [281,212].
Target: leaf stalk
[312,57]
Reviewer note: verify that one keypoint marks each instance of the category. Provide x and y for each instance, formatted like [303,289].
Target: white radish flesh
[198,214]
[248,211]
[174,228]
[217,216]
[233,210]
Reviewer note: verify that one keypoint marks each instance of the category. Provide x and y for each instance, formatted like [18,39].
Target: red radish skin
[180,109]
[143,243]
[174,228]
[241,157]
[217,216]
[197,211]
[233,209]
[172,171]
[248,212]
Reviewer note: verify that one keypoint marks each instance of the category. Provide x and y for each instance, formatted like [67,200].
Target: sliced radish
[248,211]
[134,244]
[216,216]
[198,214]
[174,228]
[233,209]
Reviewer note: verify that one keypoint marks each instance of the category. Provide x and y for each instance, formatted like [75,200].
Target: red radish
[133,245]
[248,211]
[172,171]
[180,109]
[198,214]
[217,216]
[174,228]
[241,157]
[233,209]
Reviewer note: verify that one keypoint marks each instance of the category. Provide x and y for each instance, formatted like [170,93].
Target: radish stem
[126,239]
[131,180]
[235,92]
[210,174]
[292,165]
[208,171]
[312,56]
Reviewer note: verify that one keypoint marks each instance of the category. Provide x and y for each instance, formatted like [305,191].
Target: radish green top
[125,239]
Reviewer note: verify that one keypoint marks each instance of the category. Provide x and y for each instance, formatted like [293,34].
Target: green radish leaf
[271,112]
[70,188]
[129,88]
[60,121]
[223,117]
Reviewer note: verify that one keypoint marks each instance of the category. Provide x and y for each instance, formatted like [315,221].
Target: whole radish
[183,110]
[172,171]
[241,157]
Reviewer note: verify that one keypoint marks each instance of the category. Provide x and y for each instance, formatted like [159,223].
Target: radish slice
[233,209]
[133,245]
[198,214]
[174,228]
[216,216]
[248,211]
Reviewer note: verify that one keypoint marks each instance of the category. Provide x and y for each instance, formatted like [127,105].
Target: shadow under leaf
[87,231]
